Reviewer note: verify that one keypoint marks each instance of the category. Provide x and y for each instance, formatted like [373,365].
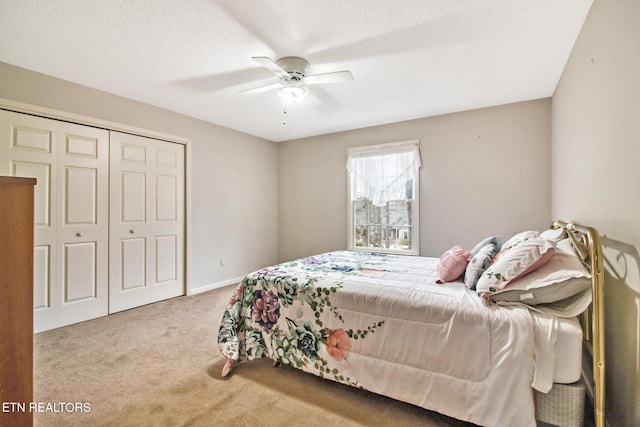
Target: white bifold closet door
[146,244]
[71,165]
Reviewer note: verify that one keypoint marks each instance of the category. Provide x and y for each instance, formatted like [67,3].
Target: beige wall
[233,175]
[483,171]
[596,149]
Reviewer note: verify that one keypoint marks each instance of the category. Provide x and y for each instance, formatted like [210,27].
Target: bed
[473,347]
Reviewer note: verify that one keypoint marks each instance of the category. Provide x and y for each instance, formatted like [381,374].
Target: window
[383,197]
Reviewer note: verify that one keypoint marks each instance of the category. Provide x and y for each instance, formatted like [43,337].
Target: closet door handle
[78,234]
[132,231]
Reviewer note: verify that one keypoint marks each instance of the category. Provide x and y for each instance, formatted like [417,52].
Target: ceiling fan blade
[270,65]
[310,99]
[261,89]
[334,77]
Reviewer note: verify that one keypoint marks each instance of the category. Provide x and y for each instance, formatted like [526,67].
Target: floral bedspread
[284,312]
[380,322]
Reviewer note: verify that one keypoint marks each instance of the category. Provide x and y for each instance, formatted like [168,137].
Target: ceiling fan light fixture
[293,93]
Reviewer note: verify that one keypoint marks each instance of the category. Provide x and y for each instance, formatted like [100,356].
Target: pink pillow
[452,264]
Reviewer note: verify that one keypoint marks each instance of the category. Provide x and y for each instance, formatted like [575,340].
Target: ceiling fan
[292,72]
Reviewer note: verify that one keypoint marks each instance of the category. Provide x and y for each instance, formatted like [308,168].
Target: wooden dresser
[16,300]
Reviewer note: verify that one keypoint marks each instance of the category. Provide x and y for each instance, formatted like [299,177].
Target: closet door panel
[32,136]
[83,226]
[167,222]
[166,257]
[147,223]
[133,197]
[133,264]
[42,193]
[166,198]
[129,203]
[28,148]
[45,260]
[41,278]
[80,269]
[81,197]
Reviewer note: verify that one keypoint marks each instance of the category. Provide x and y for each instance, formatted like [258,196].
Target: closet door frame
[50,113]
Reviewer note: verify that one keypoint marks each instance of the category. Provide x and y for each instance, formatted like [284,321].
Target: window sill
[384,251]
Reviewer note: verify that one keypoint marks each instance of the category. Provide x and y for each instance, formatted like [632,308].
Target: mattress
[568,351]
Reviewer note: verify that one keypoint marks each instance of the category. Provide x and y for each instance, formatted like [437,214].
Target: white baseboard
[205,288]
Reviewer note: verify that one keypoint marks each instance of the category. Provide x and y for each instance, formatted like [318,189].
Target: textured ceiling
[409,58]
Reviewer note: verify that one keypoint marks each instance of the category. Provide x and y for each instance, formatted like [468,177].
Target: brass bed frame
[586,242]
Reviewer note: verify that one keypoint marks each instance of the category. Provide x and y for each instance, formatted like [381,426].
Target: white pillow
[523,253]
[562,277]
[518,238]
[555,235]
[568,307]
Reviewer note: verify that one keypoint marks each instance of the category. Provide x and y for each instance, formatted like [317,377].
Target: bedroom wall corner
[595,175]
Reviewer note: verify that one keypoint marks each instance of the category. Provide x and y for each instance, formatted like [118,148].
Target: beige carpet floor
[158,365]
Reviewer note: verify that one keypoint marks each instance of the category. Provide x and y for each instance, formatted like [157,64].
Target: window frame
[415,211]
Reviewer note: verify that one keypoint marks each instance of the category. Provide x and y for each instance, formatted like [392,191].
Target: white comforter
[380,322]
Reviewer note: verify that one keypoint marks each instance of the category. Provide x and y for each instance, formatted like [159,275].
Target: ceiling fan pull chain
[284,114]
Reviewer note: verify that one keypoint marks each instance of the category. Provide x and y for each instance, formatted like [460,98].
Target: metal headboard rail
[586,242]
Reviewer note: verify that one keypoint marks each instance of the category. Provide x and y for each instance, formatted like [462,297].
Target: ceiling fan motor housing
[296,67]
